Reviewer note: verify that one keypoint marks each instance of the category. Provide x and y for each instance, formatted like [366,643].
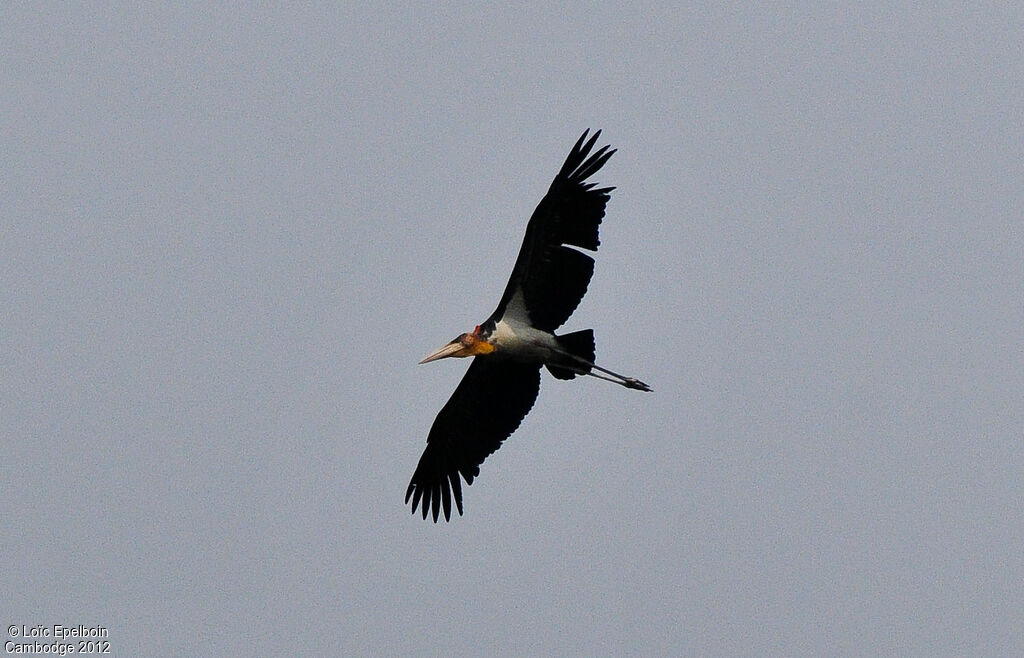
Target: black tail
[579,344]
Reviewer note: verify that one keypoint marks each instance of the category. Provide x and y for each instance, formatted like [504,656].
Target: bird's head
[470,344]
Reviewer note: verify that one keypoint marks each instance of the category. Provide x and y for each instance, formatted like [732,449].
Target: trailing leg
[578,349]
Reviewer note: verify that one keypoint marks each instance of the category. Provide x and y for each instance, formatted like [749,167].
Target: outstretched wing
[491,400]
[550,274]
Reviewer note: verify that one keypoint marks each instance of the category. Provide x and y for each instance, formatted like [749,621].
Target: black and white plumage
[548,281]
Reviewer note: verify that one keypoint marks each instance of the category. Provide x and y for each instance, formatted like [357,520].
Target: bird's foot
[633,382]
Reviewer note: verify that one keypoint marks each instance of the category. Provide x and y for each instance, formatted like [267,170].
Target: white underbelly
[523,342]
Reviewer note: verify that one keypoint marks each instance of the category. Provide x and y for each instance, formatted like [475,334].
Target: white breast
[521,341]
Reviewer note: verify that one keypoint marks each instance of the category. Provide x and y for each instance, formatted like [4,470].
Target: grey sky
[229,235]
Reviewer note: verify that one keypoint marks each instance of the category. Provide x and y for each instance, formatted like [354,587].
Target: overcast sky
[228,235]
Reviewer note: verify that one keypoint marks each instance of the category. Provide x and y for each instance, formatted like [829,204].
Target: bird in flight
[548,281]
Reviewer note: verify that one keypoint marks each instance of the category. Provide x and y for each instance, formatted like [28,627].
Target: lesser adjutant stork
[548,281]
